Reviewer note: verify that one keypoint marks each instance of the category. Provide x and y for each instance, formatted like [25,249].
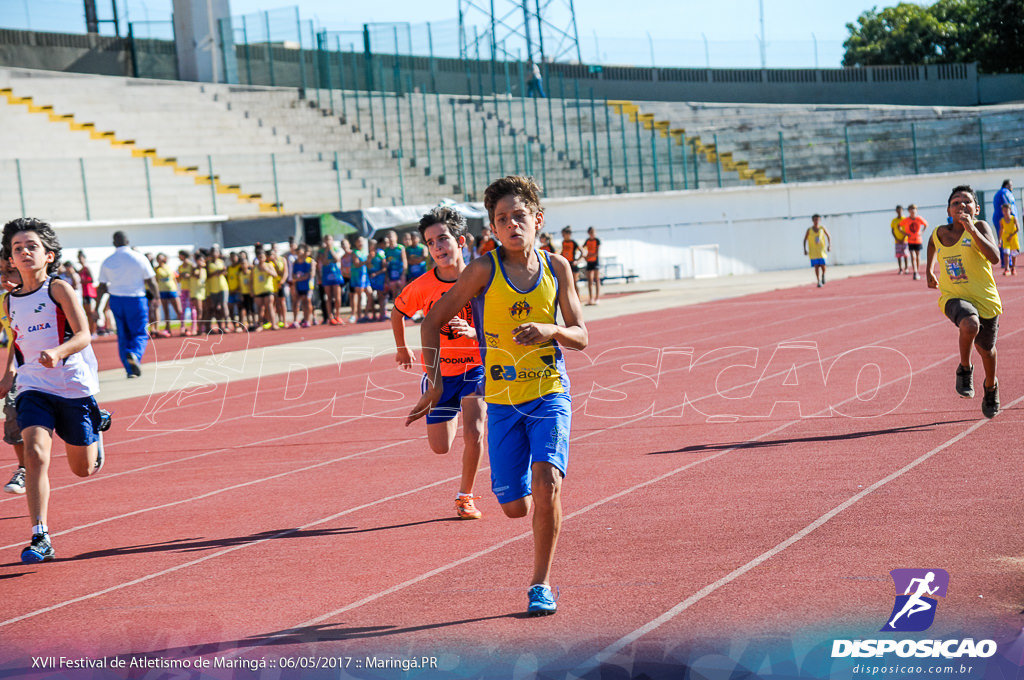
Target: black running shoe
[104,426]
[39,550]
[134,369]
[990,402]
[17,483]
[965,381]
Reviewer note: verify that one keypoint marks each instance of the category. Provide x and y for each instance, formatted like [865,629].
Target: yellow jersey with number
[517,374]
[965,274]
[816,244]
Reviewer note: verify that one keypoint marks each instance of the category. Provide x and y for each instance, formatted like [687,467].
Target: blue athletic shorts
[818,262]
[76,421]
[519,436]
[168,294]
[455,389]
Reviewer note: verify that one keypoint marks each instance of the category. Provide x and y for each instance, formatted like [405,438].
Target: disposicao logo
[915,605]
[914,611]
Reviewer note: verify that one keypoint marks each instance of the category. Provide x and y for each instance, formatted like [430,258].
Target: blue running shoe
[39,550]
[542,602]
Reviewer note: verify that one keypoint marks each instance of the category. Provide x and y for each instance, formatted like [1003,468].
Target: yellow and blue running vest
[816,244]
[964,273]
[515,373]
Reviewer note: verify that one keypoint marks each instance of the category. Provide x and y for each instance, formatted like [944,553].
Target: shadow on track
[769,443]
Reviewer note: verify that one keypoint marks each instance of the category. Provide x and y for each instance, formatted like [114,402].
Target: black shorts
[591,266]
[958,309]
[914,247]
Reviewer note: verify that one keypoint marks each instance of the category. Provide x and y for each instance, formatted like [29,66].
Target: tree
[990,32]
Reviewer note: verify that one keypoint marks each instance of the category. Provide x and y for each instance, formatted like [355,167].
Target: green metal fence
[393,148]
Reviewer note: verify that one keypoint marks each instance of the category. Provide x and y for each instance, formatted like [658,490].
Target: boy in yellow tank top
[517,292]
[1009,232]
[901,241]
[817,244]
[965,251]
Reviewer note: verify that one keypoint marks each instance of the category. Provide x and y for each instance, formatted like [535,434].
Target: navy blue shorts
[455,389]
[76,421]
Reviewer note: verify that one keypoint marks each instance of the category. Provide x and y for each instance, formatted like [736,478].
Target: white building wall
[758,228]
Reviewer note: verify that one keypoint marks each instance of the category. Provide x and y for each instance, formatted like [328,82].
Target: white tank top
[40,324]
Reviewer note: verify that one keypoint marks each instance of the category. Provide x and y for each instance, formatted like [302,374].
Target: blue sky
[797,32]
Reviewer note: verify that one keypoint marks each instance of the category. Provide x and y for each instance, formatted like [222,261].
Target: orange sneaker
[465,509]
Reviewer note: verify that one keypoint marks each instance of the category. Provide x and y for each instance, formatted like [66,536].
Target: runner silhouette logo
[916,592]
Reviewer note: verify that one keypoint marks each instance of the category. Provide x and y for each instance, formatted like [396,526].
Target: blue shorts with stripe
[523,434]
[455,389]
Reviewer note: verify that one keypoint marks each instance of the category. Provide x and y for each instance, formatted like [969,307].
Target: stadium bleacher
[89,147]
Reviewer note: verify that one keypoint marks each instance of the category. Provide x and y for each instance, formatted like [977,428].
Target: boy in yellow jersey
[517,292]
[817,243]
[185,271]
[167,285]
[1009,232]
[216,289]
[901,241]
[246,308]
[234,295]
[9,280]
[197,289]
[281,284]
[965,250]
[444,234]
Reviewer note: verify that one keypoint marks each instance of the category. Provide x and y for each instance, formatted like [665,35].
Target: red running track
[744,469]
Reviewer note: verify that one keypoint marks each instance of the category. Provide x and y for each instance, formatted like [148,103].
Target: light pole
[764,57]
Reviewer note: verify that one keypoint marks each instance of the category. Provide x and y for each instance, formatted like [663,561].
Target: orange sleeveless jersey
[458,353]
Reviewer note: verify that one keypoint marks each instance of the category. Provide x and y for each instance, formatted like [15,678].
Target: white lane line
[608,652]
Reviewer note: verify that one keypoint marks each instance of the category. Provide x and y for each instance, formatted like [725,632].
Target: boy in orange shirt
[444,234]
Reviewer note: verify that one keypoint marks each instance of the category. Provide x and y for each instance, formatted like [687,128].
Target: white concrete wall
[755,228]
[148,236]
[760,228]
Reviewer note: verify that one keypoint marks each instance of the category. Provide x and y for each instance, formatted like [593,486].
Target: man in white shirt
[126,275]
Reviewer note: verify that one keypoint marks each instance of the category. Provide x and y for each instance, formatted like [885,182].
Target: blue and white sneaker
[542,601]
[39,550]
